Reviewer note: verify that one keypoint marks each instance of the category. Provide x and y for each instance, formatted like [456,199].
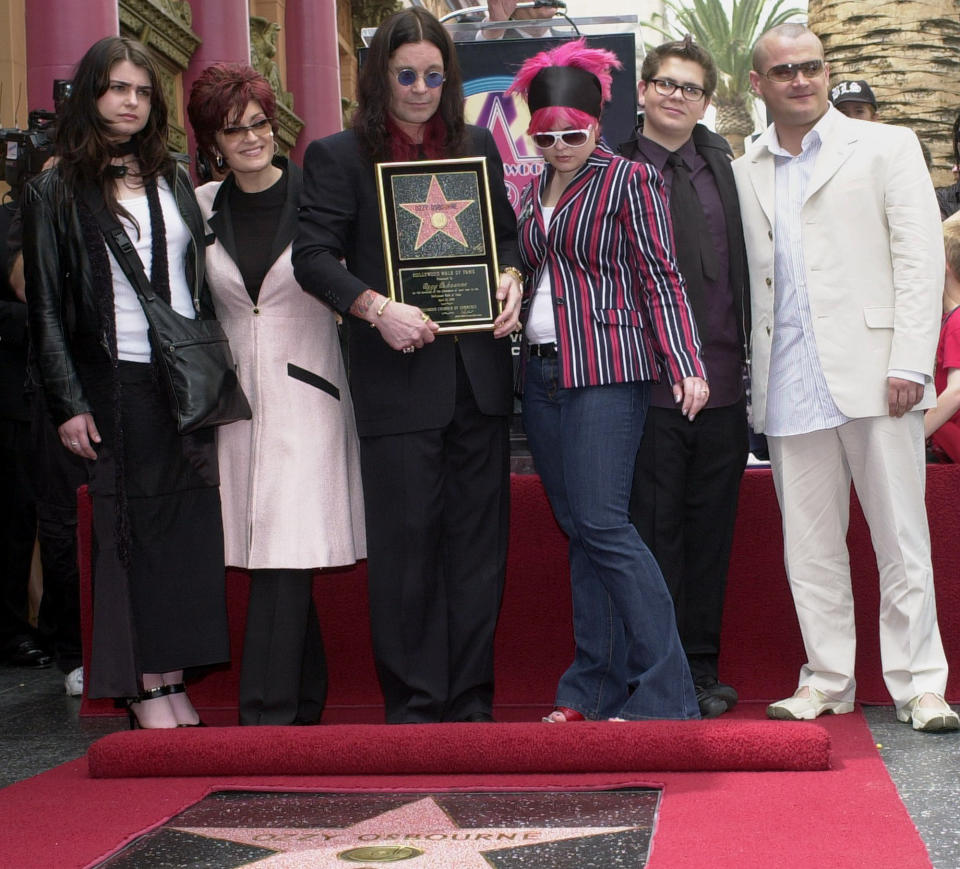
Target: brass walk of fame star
[437,214]
[419,835]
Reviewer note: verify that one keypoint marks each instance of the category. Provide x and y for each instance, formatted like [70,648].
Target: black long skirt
[163,606]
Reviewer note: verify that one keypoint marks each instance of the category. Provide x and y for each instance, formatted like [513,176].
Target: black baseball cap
[852,92]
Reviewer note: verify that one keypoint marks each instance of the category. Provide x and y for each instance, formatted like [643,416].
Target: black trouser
[58,474]
[18,531]
[283,678]
[437,507]
[684,504]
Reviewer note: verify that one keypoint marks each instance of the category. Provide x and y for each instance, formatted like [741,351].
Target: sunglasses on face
[573,138]
[788,71]
[259,128]
[407,77]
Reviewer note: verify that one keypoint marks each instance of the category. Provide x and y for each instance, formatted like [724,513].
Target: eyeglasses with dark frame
[573,138]
[408,77]
[258,128]
[784,72]
[665,87]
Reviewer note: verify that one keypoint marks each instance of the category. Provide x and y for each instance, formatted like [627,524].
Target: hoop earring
[276,147]
[218,161]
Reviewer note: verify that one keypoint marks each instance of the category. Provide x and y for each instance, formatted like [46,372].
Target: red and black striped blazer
[619,303]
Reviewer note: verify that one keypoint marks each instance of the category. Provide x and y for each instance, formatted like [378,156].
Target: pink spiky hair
[597,61]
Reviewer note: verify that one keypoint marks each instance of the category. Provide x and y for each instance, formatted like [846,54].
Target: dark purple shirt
[721,350]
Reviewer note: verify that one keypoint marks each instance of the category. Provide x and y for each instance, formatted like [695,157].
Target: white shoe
[73,682]
[930,719]
[807,708]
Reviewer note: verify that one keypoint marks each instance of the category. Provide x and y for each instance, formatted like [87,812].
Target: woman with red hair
[603,305]
[290,476]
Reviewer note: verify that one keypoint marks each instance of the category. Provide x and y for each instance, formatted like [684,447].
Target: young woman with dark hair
[290,476]
[431,409]
[159,604]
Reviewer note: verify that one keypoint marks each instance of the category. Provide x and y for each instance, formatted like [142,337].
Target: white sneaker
[73,682]
[936,718]
[807,708]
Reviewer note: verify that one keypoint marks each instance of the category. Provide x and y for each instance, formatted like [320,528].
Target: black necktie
[694,252]
[685,208]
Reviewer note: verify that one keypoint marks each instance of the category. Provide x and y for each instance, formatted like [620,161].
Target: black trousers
[283,678]
[57,475]
[18,531]
[684,502]
[437,508]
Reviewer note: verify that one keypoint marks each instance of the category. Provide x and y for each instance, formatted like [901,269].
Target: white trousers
[885,458]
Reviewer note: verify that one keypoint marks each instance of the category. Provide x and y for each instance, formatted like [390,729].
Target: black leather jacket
[61,297]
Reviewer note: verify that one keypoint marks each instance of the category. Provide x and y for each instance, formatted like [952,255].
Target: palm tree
[909,52]
[729,38]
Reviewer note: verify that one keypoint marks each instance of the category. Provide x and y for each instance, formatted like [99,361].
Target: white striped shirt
[798,398]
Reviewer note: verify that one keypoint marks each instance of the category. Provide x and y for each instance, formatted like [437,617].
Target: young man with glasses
[846,271]
[687,476]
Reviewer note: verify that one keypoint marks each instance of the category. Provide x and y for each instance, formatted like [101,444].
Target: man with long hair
[431,409]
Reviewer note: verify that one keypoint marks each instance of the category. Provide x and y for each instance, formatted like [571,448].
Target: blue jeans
[629,662]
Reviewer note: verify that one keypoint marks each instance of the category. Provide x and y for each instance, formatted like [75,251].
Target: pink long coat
[290,477]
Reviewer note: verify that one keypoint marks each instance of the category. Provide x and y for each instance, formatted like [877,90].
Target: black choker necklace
[124,149]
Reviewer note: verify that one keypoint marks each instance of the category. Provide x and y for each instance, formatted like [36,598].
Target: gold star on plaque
[437,214]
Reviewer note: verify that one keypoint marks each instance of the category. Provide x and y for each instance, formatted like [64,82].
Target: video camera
[25,151]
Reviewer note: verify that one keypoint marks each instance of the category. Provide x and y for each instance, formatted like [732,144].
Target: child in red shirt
[942,423]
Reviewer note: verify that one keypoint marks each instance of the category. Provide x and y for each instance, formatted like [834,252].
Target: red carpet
[453,749]
[762,650]
[847,816]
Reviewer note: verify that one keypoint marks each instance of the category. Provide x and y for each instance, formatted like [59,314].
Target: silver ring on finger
[74,443]
[409,349]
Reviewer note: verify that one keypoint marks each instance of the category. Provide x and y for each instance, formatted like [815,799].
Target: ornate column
[164,26]
[225,28]
[265,34]
[57,37]
[313,69]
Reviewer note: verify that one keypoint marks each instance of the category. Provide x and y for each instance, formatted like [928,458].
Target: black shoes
[713,697]
[478,718]
[28,654]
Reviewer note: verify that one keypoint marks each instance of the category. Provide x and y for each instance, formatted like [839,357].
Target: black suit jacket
[715,151]
[340,219]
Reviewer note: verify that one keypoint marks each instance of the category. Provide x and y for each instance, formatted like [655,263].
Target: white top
[132,343]
[541,327]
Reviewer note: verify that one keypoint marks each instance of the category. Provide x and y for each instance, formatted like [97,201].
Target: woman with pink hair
[603,305]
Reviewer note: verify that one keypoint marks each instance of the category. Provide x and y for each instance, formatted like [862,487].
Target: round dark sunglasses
[407,77]
[573,138]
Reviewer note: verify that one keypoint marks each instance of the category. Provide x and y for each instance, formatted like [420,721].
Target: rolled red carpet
[675,746]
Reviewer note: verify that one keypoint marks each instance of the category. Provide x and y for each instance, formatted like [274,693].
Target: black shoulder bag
[193,355]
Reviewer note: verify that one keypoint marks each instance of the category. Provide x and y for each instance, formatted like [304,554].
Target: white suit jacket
[873,255]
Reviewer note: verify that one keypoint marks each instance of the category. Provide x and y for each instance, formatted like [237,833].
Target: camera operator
[41,502]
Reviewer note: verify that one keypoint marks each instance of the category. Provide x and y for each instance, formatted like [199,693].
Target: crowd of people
[651,283]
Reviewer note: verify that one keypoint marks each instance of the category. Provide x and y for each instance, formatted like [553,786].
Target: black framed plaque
[438,240]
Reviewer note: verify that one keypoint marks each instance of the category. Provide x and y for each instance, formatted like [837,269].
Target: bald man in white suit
[846,269]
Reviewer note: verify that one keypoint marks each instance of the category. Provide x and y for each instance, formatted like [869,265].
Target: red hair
[220,96]
[597,61]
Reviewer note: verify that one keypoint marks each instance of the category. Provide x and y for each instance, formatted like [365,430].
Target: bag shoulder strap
[120,245]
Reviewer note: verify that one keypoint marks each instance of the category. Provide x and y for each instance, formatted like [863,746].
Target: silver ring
[74,443]
[408,349]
